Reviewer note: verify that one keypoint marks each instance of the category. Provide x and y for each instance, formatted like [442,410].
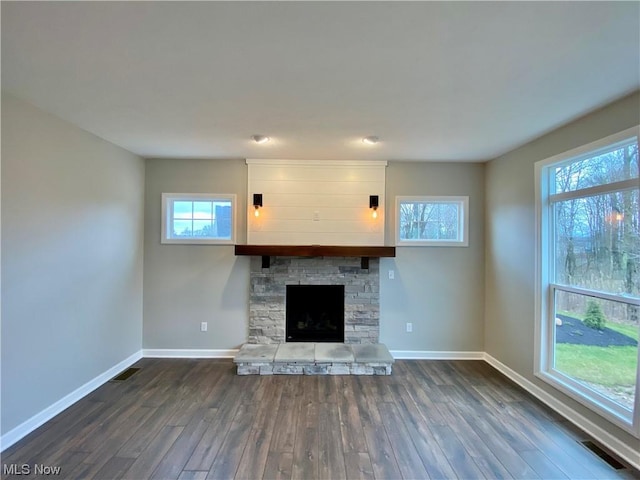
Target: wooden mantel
[267,251]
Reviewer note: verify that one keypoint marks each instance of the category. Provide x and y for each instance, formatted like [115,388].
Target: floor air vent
[602,454]
[124,375]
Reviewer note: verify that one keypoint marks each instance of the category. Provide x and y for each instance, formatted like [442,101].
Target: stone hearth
[313,359]
[267,305]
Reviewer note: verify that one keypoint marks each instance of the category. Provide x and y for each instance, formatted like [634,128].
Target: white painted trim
[51,411]
[596,293]
[315,163]
[627,453]
[188,353]
[435,355]
[594,147]
[622,185]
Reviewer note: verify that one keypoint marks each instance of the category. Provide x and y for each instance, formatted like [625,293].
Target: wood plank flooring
[195,419]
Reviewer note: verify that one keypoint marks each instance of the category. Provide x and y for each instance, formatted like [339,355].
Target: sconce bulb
[256,212]
[375,214]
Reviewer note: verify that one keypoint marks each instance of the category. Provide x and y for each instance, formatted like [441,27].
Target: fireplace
[315,313]
[359,293]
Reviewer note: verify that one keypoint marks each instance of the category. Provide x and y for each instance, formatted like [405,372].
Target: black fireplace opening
[315,313]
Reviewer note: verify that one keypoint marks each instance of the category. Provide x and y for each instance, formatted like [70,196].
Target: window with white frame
[429,220]
[198,218]
[588,298]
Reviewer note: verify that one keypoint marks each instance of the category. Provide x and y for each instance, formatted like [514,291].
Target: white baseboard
[436,355]
[230,353]
[51,411]
[624,451]
[188,353]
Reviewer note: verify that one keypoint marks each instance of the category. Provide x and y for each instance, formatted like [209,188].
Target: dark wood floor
[195,419]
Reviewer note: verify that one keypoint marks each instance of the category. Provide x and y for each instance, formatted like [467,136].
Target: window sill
[423,243]
[195,241]
[591,400]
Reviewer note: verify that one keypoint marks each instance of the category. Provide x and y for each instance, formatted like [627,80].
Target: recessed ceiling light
[260,138]
[371,140]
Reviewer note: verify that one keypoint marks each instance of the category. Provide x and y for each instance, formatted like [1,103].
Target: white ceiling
[435,81]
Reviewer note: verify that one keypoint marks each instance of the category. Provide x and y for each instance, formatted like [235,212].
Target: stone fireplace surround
[267,297]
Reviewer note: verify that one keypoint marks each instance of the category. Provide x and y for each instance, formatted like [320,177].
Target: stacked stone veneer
[267,298]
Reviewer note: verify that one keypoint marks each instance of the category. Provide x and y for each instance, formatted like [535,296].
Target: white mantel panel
[308,202]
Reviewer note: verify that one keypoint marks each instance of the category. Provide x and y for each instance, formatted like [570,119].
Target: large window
[589,275]
[198,218]
[432,221]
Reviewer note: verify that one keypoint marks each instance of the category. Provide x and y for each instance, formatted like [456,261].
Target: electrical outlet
[204,326]
[392,274]
[409,327]
[316,216]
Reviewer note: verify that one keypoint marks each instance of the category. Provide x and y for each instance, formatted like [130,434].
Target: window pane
[182,228]
[223,219]
[596,344]
[182,209]
[202,210]
[612,165]
[203,228]
[429,221]
[448,221]
[597,243]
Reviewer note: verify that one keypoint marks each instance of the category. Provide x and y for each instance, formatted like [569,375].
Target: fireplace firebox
[315,313]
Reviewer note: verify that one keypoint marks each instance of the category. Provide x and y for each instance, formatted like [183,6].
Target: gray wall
[188,284]
[72,208]
[438,289]
[510,242]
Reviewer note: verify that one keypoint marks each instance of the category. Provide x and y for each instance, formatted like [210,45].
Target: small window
[436,221]
[198,218]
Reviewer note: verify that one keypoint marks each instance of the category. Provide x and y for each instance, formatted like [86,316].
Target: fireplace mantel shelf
[267,251]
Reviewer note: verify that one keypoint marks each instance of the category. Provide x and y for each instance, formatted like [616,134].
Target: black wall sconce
[374,203]
[257,203]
